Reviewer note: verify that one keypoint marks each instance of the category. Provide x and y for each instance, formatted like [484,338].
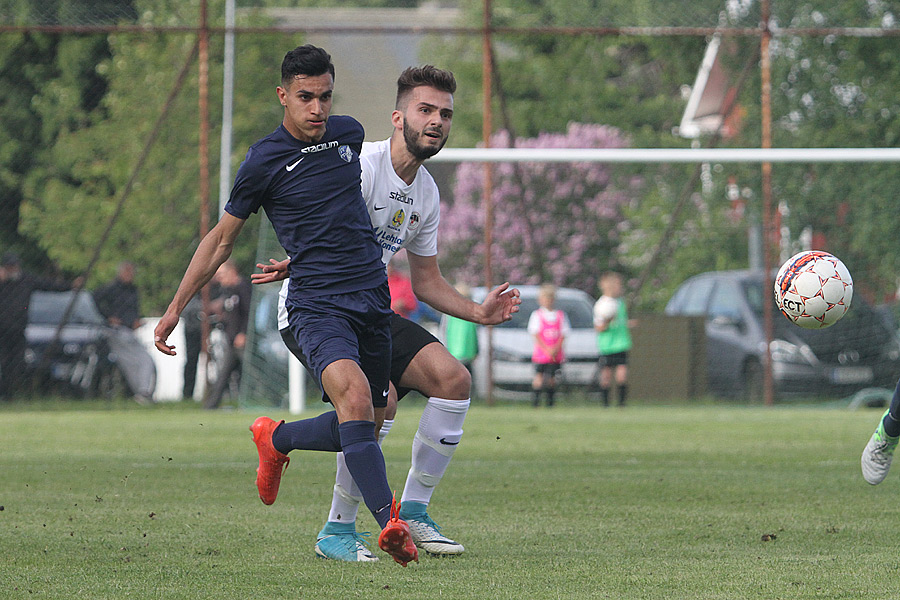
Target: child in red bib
[549,327]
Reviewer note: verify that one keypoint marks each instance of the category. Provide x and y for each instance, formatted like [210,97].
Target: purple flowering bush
[554,223]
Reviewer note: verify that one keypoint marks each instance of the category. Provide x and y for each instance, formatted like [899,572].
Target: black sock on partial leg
[623,393]
[892,419]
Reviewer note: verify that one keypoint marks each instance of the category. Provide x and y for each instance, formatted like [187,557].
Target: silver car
[512,345]
[857,352]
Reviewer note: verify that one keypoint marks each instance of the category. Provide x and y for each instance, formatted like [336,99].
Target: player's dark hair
[306,60]
[426,75]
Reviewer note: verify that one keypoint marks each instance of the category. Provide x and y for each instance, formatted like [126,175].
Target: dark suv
[78,361]
[857,352]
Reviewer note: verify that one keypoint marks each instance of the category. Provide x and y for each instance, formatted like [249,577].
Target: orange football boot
[395,538]
[268,474]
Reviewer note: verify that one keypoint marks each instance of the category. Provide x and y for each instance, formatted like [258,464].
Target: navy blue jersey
[311,194]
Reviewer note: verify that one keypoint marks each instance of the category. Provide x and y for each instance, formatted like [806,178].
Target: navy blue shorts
[407,339]
[354,326]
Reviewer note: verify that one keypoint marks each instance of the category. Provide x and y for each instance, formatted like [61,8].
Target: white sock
[346,496]
[440,430]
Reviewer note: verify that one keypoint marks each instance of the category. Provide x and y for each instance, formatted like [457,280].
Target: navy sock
[318,433]
[623,393]
[892,419]
[366,463]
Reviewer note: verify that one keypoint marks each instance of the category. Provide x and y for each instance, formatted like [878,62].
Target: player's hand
[500,305]
[163,329]
[276,270]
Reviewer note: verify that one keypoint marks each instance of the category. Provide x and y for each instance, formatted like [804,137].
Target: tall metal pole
[768,233]
[203,90]
[487,78]
[227,108]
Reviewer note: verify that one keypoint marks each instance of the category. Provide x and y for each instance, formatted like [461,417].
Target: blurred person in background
[461,335]
[193,318]
[119,303]
[231,307]
[16,287]
[403,299]
[613,337]
[549,328]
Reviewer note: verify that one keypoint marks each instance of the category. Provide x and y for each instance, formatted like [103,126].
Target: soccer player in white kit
[404,204]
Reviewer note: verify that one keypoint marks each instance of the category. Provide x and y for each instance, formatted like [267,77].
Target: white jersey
[403,216]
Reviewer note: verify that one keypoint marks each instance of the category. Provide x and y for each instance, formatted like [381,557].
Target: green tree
[827,91]
[546,82]
[47,86]
[72,195]
[834,91]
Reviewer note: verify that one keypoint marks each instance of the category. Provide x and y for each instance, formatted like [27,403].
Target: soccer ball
[605,309]
[813,289]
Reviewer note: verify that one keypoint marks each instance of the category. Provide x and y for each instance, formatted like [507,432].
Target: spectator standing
[403,299]
[16,287]
[461,335]
[193,341]
[549,327]
[232,307]
[119,303]
[118,300]
[613,337]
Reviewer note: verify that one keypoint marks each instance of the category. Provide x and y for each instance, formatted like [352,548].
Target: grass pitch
[653,502]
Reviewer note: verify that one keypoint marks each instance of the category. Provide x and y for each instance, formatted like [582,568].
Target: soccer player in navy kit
[404,205]
[306,176]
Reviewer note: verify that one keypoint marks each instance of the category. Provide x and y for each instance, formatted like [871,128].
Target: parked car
[80,361]
[857,352]
[512,345]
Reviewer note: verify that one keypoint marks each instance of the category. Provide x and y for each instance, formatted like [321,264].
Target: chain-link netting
[100,161]
[337,14]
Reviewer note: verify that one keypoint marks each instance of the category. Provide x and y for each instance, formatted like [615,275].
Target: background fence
[113,114]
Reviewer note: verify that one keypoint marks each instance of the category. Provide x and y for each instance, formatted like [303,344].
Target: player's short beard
[416,149]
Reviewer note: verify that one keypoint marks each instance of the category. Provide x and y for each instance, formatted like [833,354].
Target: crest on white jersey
[398,218]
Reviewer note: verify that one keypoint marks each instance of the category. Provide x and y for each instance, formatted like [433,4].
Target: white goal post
[669,155]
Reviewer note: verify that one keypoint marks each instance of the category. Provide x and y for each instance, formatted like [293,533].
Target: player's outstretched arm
[500,305]
[276,270]
[213,250]
[431,287]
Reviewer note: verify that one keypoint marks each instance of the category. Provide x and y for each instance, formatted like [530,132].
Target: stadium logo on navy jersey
[346,153]
[320,147]
[414,220]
